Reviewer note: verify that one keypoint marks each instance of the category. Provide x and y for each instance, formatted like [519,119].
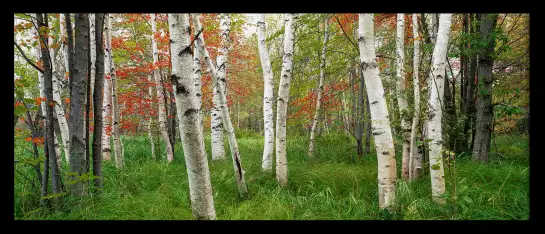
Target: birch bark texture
[107,89]
[218,147]
[150,120]
[283,99]
[401,95]
[415,158]
[233,146]
[118,145]
[320,90]
[435,106]
[160,93]
[92,49]
[197,75]
[200,188]
[268,84]
[380,121]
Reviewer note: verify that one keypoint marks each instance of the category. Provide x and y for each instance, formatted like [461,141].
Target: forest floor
[329,186]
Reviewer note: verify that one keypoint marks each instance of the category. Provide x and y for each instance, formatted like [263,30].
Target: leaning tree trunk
[77,104]
[415,158]
[218,149]
[436,90]
[197,75]
[160,94]
[320,90]
[380,122]
[283,99]
[237,163]
[200,188]
[402,96]
[485,111]
[48,88]
[107,89]
[118,145]
[97,101]
[268,86]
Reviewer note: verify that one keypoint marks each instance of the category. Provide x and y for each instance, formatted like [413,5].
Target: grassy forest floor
[330,186]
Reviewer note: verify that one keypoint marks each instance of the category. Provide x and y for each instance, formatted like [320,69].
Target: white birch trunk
[235,154]
[107,89]
[93,52]
[402,96]
[268,84]
[436,90]
[380,121]
[197,75]
[150,121]
[283,99]
[320,90]
[415,159]
[160,93]
[200,188]
[218,148]
[64,39]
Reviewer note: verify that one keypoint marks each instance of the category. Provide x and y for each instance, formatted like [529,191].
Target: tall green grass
[329,186]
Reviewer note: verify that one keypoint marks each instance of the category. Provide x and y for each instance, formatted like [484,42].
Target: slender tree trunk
[70,51]
[160,94]
[320,90]
[485,111]
[415,159]
[118,145]
[49,120]
[200,188]
[366,118]
[360,112]
[107,99]
[283,99]
[197,76]
[435,104]
[77,104]
[45,177]
[150,121]
[379,113]
[268,84]
[237,163]
[402,96]
[97,102]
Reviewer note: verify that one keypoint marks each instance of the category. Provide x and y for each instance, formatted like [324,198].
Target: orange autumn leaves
[37,140]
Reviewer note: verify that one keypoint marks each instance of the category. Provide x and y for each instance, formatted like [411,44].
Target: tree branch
[340,25]
[27,59]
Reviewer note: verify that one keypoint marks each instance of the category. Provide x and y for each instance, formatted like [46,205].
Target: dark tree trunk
[97,101]
[49,120]
[77,104]
[34,133]
[367,119]
[70,41]
[88,107]
[449,122]
[471,86]
[483,130]
[45,177]
[359,118]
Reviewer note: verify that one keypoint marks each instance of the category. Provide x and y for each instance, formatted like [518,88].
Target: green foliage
[329,186]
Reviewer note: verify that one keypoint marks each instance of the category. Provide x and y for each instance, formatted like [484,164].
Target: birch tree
[200,188]
[401,95]
[415,158]
[150,120]
[197,74]
[107,89]
[268,84]
[220,86]
[160,93]
[436,90]
[380,122]
[218,148]
[77,104]
[320,90]
[283,99]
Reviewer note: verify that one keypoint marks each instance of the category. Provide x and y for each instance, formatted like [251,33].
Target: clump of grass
[328,186]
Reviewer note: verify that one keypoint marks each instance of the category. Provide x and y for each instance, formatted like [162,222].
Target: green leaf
[435,167]
[468,199]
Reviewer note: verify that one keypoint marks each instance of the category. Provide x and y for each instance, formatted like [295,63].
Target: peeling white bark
[107,89]
[150,121]
[200,188]
[283,99]
[415,158]
[268,84]
[436,90]
[235,154]
[402,96]
[380,121]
